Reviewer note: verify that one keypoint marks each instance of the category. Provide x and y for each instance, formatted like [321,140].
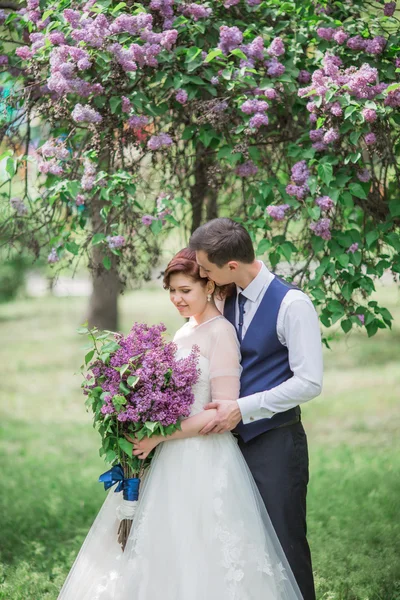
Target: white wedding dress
[201,530]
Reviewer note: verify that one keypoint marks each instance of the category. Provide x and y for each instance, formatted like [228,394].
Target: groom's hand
[227,417]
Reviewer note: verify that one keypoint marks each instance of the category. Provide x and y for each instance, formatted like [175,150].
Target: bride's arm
[190,428]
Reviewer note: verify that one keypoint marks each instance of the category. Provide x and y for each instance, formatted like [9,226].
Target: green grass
[50,463]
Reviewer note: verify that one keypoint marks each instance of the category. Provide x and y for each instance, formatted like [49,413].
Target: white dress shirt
[298,329]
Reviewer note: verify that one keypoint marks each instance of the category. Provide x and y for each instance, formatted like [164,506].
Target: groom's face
[221,275]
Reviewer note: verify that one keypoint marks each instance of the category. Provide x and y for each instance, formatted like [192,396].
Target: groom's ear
[233,265]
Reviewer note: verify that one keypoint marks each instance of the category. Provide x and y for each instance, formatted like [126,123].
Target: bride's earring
[208,297]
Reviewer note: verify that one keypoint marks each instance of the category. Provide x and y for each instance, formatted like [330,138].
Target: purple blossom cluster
[274,67]
[157,386]
[299,175]
[230,38]
[181,96]
[256,108]
[18,205]
[53,256]
[137,122]
[389,9]
[277,212]
[321,228]
[276,48]
[246,169]
[89,175]
[115,241]
[375,46]
[147,220]
[85,114]
[364,175]
[159,141]
[54,148]
[324,202]
[196,11]
[353,248]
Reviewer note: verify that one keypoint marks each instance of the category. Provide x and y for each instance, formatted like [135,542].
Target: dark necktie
[241,301]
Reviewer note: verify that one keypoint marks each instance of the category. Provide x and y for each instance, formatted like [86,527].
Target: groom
[280,343]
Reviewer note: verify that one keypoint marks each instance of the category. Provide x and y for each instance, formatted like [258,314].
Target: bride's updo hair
[184,262]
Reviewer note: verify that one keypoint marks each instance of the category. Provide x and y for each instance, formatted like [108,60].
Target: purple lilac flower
[230,38]
[115,241]
[321,228]
[150,359]
[3,60]
[246,169]
[126,104]
[137,122]
[336,109]
[370,139]
[316,135]
[276,47]
[254,50]
[258,120]
[50,166]
[300,172]
[278,212]
[304,76]
[197,11]
[364,175]
[353,248]
[147,220]
[298,191]
[24,52]
[181,96]
[274,68]
[313,118]
[54,148]
[369,115]
[3,16]
[72,17]
[319,146]
[356,43]
[133,24]
[376,45]
[332,135]
[324,202]
[229,3]
[362,318]
[250,107]
[89,175]
[57,38]
[389,8]
[340,36]
[53,256]
[270,93]
[85,114]
[18,205]
[159,141]
[393,99]
[80,200]
[214,80]
[326,33]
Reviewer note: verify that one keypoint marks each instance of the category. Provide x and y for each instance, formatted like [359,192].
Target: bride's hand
[142,448]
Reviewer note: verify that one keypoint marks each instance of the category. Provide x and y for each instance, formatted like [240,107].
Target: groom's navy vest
[265,360]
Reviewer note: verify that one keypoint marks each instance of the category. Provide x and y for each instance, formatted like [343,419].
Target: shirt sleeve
[225,368]
[301,335]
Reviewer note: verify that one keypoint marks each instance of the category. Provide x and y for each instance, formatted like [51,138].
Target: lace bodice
[219,361]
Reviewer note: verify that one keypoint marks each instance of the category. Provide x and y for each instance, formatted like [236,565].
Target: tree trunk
[103,303]
[212,206]
[198,190]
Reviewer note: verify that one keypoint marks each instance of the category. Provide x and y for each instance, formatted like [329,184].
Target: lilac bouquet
[136,387]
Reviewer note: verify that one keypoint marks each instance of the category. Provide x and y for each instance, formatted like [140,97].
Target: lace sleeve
[225,366]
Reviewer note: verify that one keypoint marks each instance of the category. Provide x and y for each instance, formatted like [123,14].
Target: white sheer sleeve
[224,360]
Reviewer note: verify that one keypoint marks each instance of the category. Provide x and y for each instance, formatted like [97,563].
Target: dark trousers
[278,460]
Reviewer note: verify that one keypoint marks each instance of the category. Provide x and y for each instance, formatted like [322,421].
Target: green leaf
[325,172]
[192,53]
[126,446]
[238,53]
[115,102]
[349,111]
[72,247]
[156,226]
[89,356]
[344,260]
[97,238]
[346,325]
[10,167]
[371,237]
[213,54]
[124,388]
[107,263]
[123,369]
[151,426]
[188,132]
[392,87]
[335,307]
[263,246]
[394,208]
[357,190]
[132,380]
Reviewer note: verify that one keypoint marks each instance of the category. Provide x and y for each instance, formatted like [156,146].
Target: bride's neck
[208,313]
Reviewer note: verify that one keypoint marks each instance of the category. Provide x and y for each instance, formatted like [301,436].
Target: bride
[201,530]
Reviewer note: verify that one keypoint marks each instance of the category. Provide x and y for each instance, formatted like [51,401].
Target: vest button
[251,418]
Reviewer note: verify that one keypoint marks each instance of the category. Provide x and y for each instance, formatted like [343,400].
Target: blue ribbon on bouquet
[129,486]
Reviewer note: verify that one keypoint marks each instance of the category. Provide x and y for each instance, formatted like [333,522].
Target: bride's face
[189,296]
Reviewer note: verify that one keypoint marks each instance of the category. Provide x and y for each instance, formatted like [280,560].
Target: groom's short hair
[223,240]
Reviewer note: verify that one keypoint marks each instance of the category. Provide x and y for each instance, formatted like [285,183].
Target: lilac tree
[283,115]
